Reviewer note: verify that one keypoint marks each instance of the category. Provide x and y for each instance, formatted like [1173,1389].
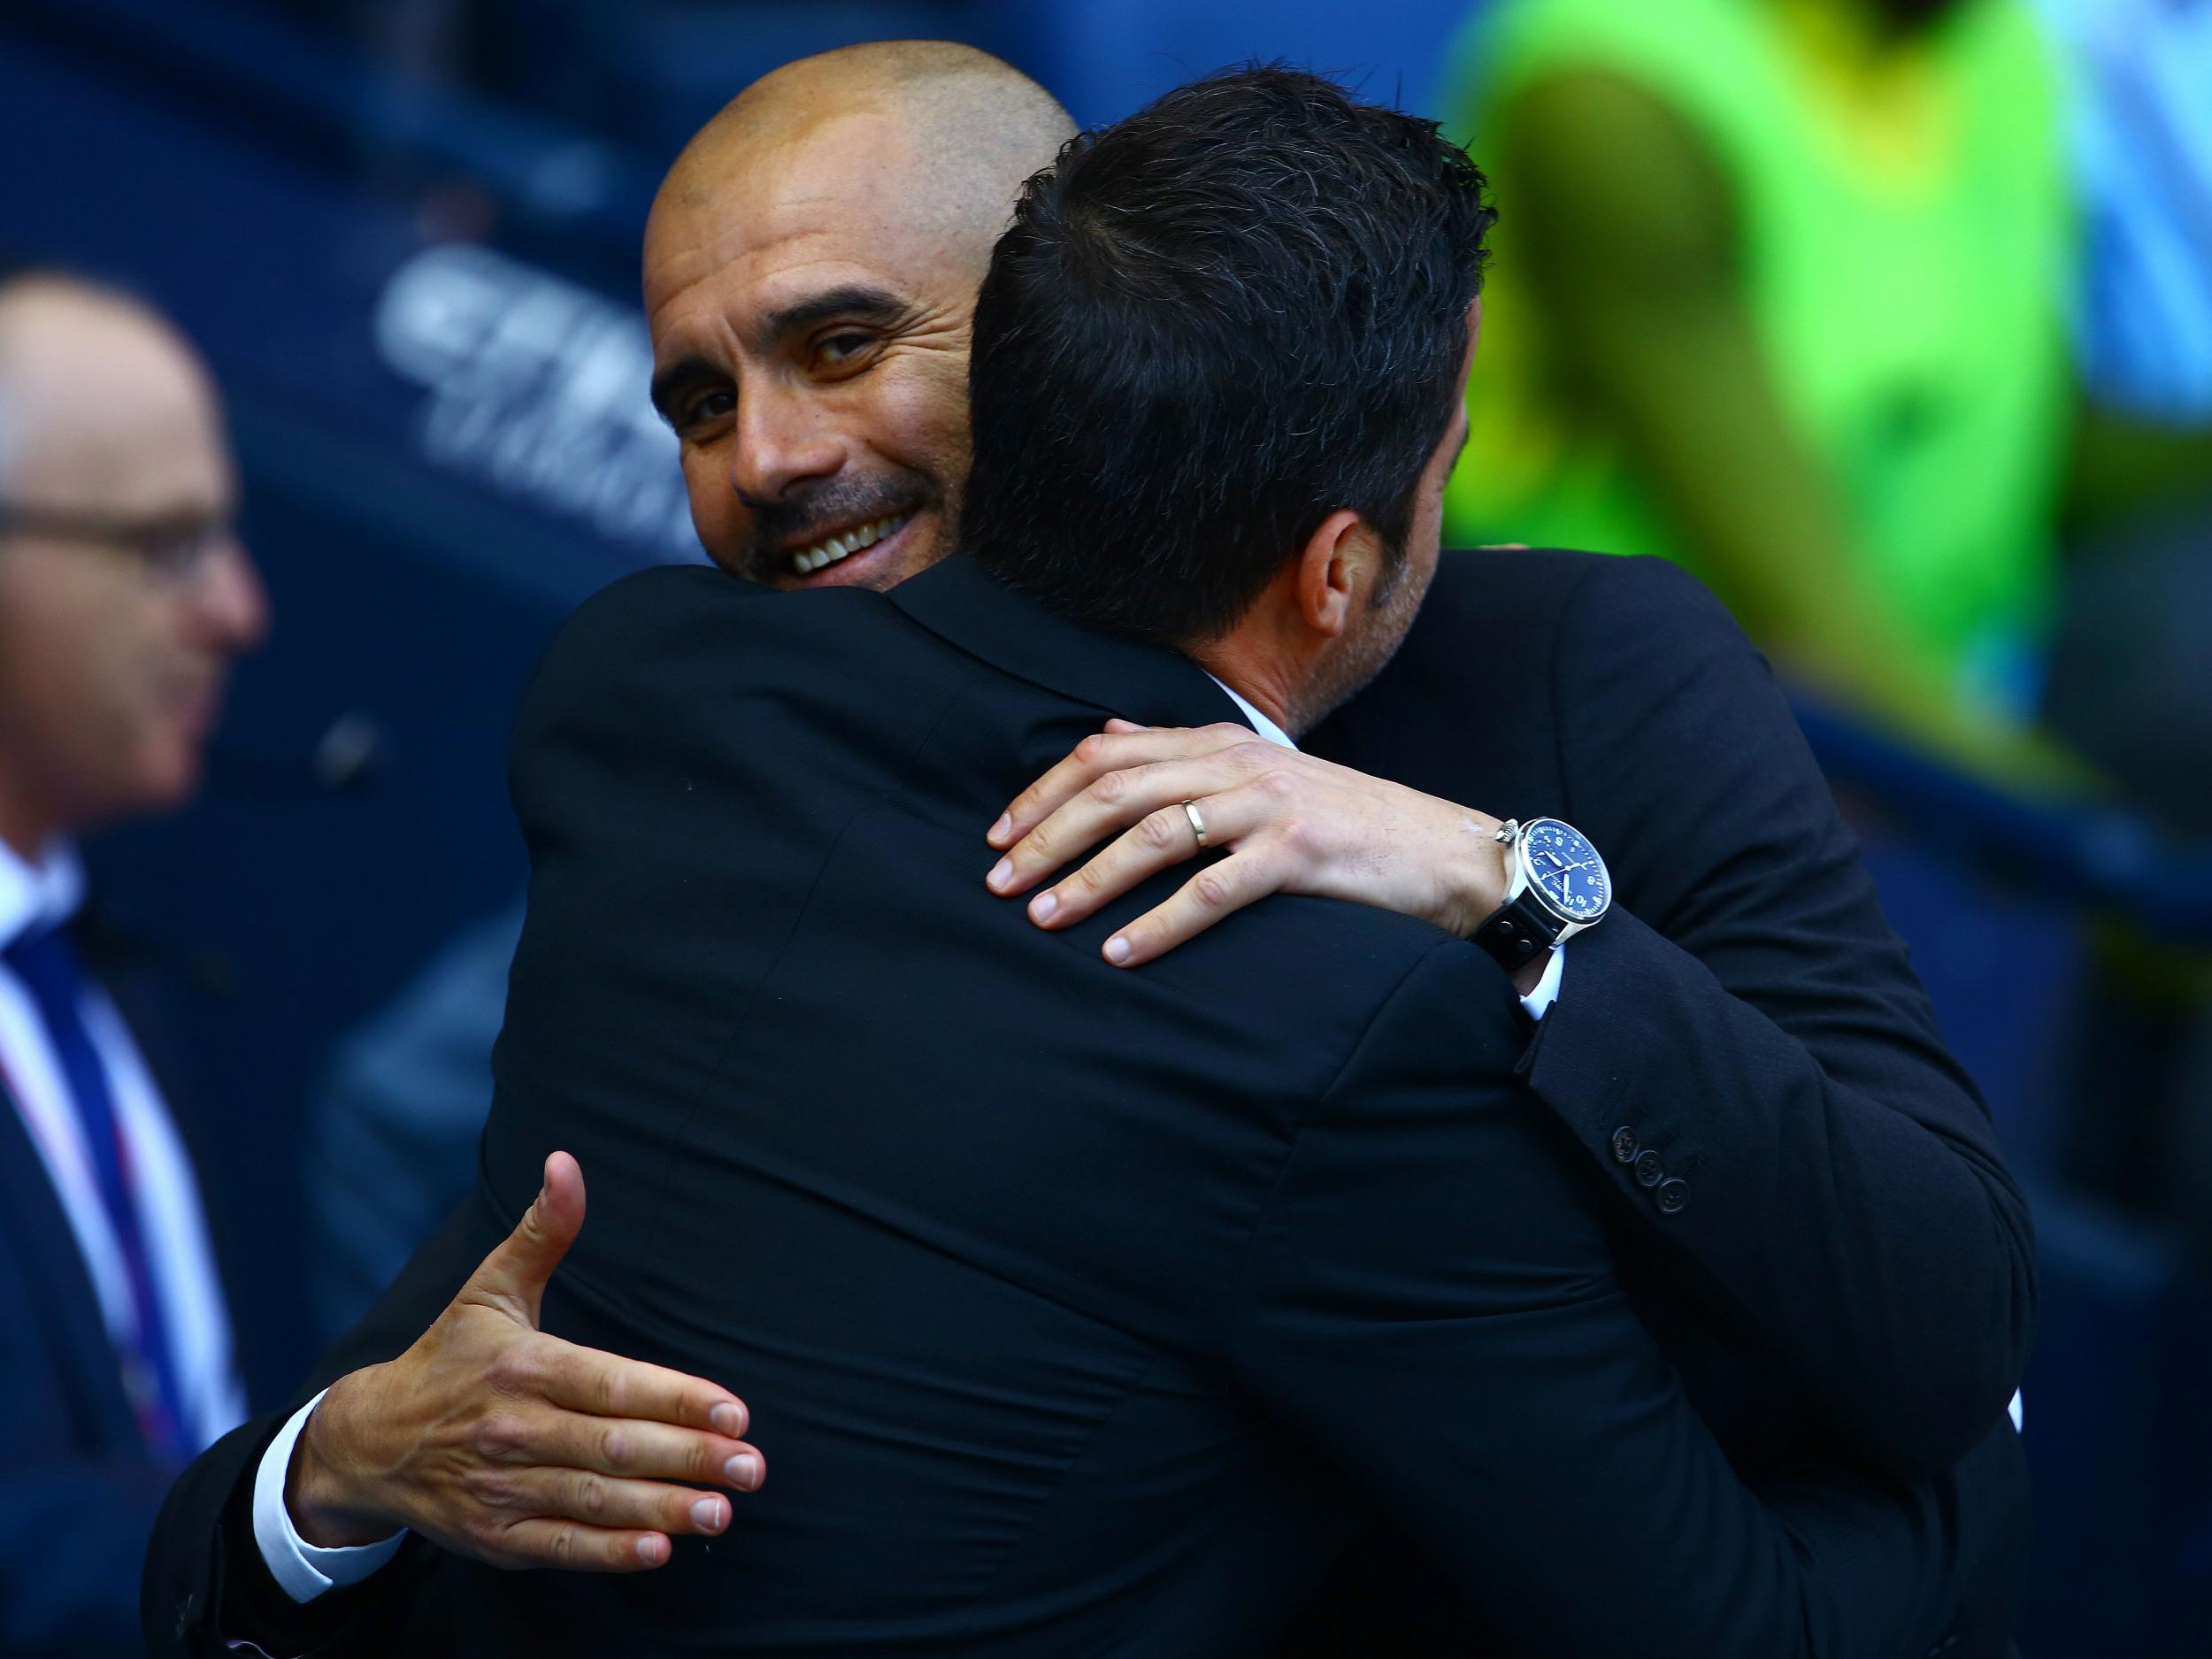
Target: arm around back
[205,1585]
[1756,1026]
[1429,1292]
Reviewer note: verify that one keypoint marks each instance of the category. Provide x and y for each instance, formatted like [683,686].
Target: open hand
[1291,823]
[498,1441]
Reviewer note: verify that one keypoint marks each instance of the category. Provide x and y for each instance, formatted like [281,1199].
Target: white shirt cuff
[304,1570]
[1547,991]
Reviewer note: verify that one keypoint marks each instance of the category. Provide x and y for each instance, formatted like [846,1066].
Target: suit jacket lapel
[137,974]
[960,603]
[38,1235]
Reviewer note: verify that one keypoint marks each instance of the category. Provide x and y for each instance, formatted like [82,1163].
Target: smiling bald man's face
[810,310]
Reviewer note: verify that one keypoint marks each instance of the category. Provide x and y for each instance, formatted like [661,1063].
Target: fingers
[608,1385]
[540,1542]
[623,1447]
[1126,797]
[513,1277]
[1217,891]
[1122,744]
[1163,836]
[601,1501]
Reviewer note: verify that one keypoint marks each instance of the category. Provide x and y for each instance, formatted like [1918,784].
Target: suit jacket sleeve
[1430,1296]
[205,1585]
[1757,1024]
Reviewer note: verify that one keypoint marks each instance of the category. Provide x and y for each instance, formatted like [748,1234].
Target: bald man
[124,598]
[820,241]
[820,244]
[809,276]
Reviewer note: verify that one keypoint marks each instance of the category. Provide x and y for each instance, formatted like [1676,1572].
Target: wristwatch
[1556,886]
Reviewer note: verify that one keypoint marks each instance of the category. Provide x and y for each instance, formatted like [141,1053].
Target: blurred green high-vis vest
[1905,240]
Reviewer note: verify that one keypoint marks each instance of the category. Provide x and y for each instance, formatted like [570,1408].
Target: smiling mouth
[830,549]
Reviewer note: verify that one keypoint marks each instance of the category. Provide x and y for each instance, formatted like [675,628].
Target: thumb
[515,1274]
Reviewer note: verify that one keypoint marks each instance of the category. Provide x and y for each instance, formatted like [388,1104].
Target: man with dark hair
[1317,349]
[1092,1311]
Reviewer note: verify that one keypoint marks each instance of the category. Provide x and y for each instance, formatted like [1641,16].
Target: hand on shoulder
[498,1441]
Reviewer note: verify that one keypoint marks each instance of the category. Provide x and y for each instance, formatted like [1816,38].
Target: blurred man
[1781,299]
[124,598]
[1746,1025]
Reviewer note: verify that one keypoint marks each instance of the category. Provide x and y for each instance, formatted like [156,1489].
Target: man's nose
[229,606]
[782,440]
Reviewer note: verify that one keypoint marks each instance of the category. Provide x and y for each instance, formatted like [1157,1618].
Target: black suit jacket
[1849,1246]
[1847,1269]
[1080,1310]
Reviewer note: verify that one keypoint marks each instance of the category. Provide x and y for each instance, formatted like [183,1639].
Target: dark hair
[1210,327]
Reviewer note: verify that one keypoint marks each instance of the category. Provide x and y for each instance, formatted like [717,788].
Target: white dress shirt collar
[1261,723]
[42,894]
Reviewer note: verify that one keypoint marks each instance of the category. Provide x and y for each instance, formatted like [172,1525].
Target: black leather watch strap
[1518,931]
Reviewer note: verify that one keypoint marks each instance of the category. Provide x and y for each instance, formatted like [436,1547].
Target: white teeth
[837,547]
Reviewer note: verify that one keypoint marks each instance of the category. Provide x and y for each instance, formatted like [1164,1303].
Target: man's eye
[707,406]
[843,348]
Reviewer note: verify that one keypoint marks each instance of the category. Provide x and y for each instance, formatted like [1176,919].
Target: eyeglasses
[174,549]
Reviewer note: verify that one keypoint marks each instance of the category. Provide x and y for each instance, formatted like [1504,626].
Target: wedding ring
[1197,824]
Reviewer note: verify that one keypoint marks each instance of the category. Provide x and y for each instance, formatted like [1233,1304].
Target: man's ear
[1337,564]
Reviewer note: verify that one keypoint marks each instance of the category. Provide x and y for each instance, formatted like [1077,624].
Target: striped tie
[46,964]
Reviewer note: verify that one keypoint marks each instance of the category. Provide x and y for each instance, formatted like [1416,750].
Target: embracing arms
[448,1413]
[1430,1295]
[1745,1011]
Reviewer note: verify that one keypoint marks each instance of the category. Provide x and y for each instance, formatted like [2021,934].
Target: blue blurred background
[405,234]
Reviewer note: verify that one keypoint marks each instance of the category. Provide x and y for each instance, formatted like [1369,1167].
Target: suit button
[1672,1196]
[1649,1170]
[1623,1145]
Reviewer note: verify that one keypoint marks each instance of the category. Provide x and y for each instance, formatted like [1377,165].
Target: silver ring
[1197,824]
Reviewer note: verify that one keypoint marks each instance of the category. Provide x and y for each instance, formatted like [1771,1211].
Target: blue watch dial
[1566,868]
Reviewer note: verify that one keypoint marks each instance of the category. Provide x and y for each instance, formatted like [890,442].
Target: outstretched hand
[500,1442]
[1290,822]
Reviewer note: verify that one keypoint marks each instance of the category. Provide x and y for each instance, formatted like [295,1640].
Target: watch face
[1566,871]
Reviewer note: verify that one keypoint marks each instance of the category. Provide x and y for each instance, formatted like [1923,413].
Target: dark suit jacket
[1851,1260]
[1847,1269]
[78,1490]
[1080,1310]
